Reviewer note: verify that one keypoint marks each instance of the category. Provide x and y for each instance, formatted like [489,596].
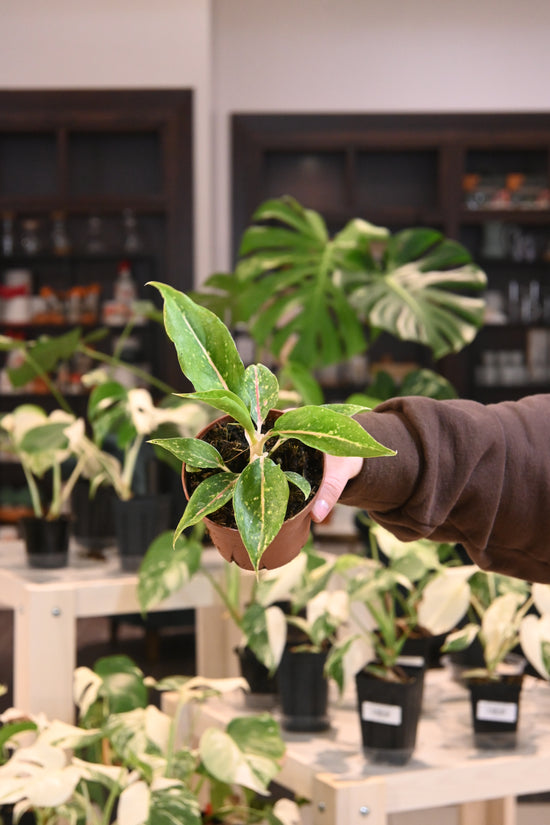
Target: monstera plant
[313,300]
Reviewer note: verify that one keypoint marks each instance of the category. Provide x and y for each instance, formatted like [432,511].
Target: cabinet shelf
[405,170]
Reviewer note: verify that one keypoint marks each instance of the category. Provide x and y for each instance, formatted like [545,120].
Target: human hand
[338,471]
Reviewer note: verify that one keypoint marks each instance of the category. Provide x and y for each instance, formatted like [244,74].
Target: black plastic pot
[389,713]
[93,516]
[303,690]
[46,542]
[138,522]
[495,710]
[262,684]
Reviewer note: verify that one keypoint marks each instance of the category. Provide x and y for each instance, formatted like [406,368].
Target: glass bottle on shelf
[95,241]
[60,238]
[132,241]
[8,238]
[30,236]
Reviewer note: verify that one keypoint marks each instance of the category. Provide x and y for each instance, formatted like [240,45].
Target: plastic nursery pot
[303,690]
[495,710]
[287,543]
[138,521]
[389,713]
[46,542]
[262,684]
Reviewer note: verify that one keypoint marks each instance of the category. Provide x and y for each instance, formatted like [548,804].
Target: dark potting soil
[229,439]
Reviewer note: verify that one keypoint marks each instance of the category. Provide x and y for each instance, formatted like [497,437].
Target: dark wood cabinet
[89,180]
[483,179]
[105,164]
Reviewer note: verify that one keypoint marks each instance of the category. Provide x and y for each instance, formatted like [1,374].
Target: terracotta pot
[285,546]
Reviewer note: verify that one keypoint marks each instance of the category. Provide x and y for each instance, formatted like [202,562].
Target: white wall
[369,56]
[61,44]
[282,55]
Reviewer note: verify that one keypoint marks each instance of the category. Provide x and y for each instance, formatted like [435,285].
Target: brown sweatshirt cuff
[385,482]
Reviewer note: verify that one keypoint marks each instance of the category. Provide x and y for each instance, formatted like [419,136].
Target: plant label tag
[381,713]
[411,661]
[487,711]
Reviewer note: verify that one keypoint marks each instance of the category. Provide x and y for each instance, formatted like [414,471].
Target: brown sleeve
[464,472]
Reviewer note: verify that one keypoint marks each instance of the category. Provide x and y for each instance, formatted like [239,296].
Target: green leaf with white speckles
[226,401]
[209,496]
[260,391]
[206,351]
[192,451]
[300,482]
[329,431]
[260,500]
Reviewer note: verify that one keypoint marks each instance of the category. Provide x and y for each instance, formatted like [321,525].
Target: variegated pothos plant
[210,360]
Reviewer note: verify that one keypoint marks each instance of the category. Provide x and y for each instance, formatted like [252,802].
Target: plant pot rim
[287,543]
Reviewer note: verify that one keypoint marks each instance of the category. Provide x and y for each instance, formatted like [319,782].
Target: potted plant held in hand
[254,472]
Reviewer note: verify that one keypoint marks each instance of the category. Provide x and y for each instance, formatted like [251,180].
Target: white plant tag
[487,711]
[411,661]
[381,713]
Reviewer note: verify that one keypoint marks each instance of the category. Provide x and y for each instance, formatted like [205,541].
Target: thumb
[338,471]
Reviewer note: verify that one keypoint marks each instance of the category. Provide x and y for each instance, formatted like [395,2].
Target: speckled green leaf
[192,451]
[210,495]
[300,482]
[329,431]
[260,390]
[261,496]
[226,401]
[206,351]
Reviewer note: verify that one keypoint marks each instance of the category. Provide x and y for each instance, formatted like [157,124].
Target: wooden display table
[47,604]
[446,769]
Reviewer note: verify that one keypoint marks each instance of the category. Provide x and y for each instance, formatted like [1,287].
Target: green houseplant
[43,443]
[122,419]
[498,610]
[254,439]
[129,762]
[312,300]
[415,592]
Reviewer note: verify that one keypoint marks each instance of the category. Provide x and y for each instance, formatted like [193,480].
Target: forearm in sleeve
[464,472]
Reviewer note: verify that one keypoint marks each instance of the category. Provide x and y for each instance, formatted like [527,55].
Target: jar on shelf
[95,239]
[8,233]
[132,240]
[60,238]
[30,241]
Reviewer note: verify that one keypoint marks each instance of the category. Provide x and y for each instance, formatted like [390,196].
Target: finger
[338,472]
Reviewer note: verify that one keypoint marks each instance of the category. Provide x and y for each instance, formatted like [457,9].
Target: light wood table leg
[45,653]
[489,812]
[216,636]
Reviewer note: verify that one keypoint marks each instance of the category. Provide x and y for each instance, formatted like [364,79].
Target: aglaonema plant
[259,492]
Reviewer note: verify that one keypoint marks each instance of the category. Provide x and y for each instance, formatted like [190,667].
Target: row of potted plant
[368,622]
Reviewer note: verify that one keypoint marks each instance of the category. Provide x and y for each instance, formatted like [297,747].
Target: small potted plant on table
[500,605]
[390,602]
[43,444]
